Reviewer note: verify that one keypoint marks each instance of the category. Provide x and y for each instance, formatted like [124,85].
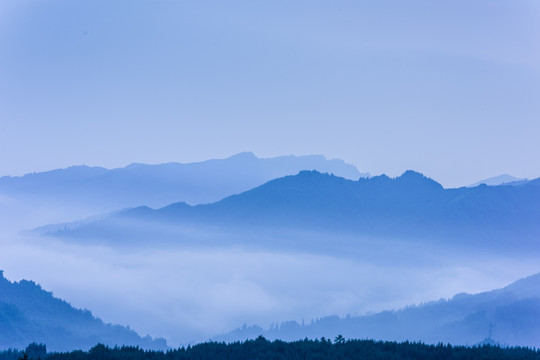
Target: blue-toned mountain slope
[158,185]
[508,316]
[30,314]
[410,206]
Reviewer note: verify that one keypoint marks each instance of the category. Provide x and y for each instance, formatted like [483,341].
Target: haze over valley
[303,246]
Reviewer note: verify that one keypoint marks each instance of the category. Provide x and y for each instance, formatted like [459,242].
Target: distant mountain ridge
[503,179]
[162,184]
[30,314]
[409,206]
[507,316]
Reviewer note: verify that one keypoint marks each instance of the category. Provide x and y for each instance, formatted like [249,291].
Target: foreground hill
[158,185]
[410,206]
[30,314]
[508,316]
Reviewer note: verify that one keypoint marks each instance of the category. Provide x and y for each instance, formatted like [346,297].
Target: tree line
[262,349]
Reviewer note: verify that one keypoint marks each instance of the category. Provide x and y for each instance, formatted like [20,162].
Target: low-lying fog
[190,294]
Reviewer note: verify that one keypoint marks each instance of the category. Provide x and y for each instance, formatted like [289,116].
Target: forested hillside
[30,314]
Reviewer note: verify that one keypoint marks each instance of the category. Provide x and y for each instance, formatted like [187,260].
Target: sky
[447,88]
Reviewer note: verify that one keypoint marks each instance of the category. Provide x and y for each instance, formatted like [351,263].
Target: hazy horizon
[494,176]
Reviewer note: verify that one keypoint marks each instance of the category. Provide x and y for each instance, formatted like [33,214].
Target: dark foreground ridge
[263,349]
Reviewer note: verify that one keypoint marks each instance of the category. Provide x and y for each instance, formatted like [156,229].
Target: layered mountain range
[159,185]
[276,204]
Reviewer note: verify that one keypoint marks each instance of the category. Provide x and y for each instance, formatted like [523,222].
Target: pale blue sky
[449,88]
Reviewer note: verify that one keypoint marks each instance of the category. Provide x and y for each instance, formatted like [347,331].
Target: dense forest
[263,349]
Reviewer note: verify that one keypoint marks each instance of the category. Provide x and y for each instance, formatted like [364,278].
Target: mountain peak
[243,155]
[412,174]
[411,177]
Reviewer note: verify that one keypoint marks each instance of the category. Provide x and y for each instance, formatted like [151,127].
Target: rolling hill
[507,316]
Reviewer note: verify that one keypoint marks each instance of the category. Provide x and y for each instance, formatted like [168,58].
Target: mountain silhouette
[30,314]
[410,206]
[506,316]
[101,189]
